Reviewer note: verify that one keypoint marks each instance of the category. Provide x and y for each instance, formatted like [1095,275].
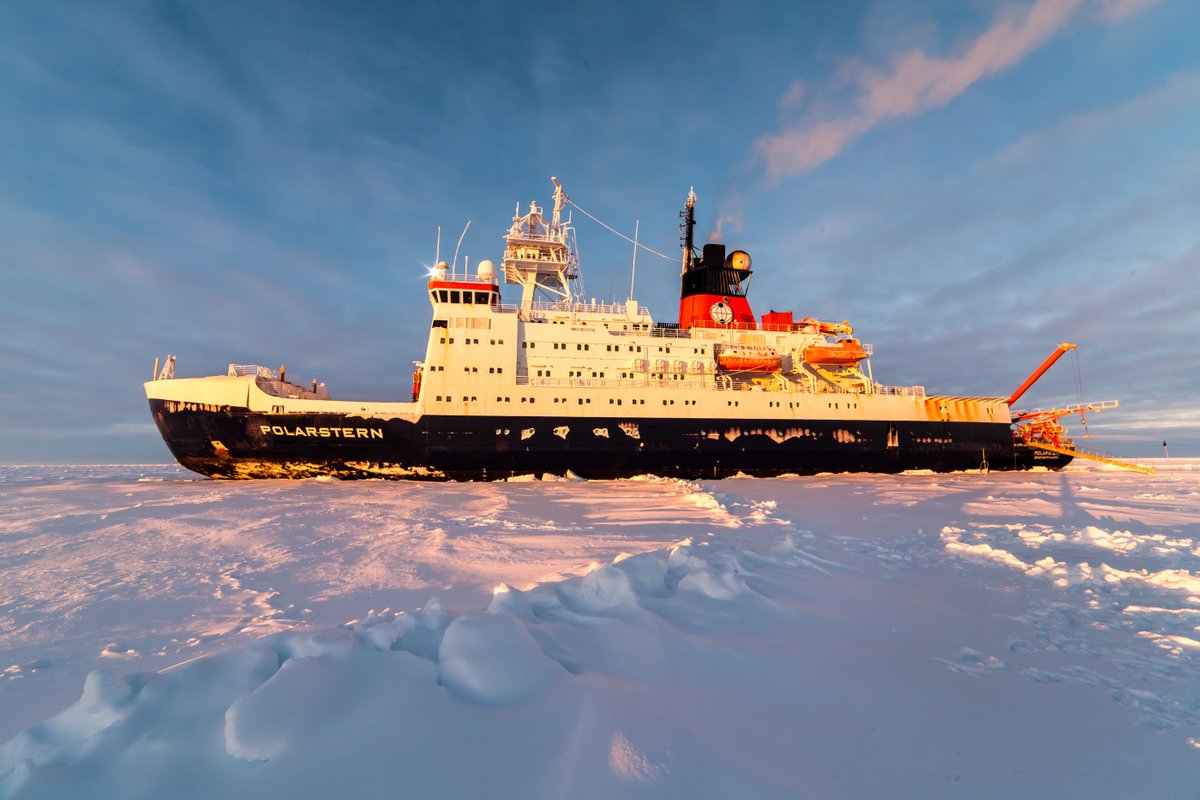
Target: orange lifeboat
[749,359]
[843,353]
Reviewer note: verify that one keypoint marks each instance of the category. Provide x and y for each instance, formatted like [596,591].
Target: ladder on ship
[1066,451]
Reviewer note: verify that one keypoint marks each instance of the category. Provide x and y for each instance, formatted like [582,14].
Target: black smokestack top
[714,255]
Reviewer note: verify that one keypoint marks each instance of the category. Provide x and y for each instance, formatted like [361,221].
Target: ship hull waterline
[235,443]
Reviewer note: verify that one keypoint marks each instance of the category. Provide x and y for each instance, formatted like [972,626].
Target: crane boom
[1037,373]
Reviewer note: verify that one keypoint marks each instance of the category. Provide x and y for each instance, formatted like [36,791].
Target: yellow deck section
[1092,456]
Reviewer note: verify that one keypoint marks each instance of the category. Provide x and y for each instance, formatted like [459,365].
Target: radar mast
[539,257]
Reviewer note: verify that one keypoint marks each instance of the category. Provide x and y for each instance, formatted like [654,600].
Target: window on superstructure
[580,401]
[481,298]
[455,296]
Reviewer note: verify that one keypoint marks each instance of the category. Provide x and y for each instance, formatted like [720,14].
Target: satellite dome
[739,260]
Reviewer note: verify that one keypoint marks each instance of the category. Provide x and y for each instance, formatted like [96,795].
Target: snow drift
[839,636]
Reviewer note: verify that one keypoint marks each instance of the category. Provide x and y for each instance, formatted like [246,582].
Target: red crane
[1037,373]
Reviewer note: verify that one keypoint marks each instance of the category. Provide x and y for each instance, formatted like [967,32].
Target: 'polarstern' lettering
[323,433]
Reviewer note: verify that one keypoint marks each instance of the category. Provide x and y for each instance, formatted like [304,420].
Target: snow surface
[839,636]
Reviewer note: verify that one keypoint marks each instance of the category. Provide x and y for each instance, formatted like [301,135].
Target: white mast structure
[541,258]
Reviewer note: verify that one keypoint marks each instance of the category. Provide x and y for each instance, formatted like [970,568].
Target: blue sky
[970,183]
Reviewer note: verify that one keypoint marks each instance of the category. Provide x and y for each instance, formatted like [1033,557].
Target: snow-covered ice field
[844,636]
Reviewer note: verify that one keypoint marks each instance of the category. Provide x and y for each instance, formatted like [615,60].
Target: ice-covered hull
[245,444]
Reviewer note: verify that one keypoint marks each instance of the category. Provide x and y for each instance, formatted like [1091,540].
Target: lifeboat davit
[743,359]
[843,353]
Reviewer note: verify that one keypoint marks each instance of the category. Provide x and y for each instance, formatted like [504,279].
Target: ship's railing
[465,277]
[584,307]
[706,381]
[901,391]
[241,370]
[684,382]
[658,333]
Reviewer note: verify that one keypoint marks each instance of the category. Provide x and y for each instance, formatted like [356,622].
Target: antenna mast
[688,215]
[454,263]
[633,273]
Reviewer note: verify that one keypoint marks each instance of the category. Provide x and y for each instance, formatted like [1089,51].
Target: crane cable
[1079,391]
[618,233]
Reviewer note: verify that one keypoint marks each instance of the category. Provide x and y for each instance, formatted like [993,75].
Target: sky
[969,183]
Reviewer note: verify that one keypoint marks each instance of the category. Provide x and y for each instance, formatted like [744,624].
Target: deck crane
[1041,430]
[1058,353]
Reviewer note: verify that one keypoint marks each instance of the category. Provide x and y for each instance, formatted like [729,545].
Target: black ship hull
[233,443]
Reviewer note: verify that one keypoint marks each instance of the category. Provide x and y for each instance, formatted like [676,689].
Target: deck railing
[241,370]
[707,381]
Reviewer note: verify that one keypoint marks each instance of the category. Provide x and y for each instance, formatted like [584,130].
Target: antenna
[437,250]
[460,238]
[688,215]
[635,248]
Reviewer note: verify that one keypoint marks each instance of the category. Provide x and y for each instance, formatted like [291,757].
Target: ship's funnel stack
[540,257]
[713,287]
